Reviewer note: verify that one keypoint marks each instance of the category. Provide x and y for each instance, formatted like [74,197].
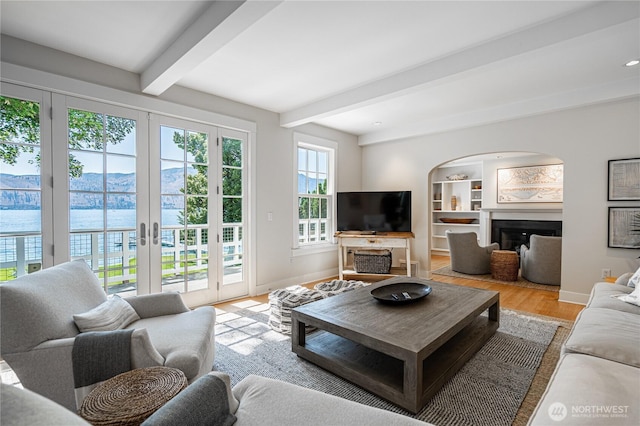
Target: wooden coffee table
[403,353]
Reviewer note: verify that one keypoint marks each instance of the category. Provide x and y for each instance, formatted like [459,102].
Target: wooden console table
[378,240]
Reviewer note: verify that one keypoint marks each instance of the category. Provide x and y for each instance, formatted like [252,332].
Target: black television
[374,211]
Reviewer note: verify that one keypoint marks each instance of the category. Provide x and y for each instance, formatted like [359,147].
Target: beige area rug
[545,371]
[499,386]
[521,282]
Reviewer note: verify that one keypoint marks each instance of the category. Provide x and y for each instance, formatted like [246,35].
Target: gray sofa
[38,329]
[597,379]
[255,401]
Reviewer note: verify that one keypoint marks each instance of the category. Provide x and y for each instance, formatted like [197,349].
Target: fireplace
[511,234]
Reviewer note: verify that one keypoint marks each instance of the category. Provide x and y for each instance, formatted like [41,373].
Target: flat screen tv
[381,211]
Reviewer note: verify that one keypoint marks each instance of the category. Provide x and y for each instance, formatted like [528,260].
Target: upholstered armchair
[38,329]
[541,262]
[467,256]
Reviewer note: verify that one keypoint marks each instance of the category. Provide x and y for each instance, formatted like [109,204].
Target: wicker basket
[504,265]
[129,398]
[372,261]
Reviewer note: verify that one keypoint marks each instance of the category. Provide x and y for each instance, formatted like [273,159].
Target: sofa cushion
[603,295]
[46,296]
[184,340]
[586,390]
[608,334]
[114,314]
[21,407]
[267,402]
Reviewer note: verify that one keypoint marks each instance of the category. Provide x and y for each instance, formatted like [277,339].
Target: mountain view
[172,182]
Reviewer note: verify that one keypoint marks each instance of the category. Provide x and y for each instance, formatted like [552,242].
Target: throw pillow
[634,281]
[114,314]
[633,297]
[205,402]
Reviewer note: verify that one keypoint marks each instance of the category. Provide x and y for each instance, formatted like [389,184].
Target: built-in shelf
[468,202]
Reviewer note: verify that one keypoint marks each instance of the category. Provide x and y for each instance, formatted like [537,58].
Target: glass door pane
[102,197]
[184,201]
[20,188]
[232,210]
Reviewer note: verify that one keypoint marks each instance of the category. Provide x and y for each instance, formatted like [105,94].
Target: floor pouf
[282,301]
[334,287]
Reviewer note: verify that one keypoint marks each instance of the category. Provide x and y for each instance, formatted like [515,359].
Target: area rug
[520,282]
[500,385]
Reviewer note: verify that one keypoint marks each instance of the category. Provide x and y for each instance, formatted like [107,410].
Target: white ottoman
[331,288]
[282,301]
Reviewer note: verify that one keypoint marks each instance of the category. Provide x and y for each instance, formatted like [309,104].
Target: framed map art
[531,184]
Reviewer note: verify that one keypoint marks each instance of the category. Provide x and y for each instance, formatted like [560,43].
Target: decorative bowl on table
[400,293]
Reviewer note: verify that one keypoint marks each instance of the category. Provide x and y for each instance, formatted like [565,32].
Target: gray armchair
[467,256]
[541,262]
[38,329]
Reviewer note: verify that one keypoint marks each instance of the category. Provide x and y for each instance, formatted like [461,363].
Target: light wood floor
[530,300]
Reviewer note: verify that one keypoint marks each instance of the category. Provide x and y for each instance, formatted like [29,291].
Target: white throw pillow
[634,281]
[633,297]
[114,314]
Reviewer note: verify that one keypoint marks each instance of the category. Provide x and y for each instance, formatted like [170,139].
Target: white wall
[272,162]
[583,138]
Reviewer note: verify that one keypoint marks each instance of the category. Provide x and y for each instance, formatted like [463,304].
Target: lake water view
[28,222]
[16,221]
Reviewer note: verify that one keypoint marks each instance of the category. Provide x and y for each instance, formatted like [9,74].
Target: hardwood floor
[539,302]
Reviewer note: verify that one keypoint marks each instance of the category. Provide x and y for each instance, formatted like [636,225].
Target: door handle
[143,234]
[155,232]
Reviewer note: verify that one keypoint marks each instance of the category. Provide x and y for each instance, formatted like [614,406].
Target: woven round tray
[504,265]
[129,398]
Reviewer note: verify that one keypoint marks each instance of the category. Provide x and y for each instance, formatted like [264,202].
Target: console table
[378,240]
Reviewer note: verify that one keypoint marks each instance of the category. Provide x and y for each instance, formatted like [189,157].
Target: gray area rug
[488,390]
[520,282]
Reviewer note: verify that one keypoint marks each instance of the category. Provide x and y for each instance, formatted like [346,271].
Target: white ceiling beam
[216,27]
[612,91]
[600,16]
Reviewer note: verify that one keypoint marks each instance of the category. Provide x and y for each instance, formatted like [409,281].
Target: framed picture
[624,227]
[532,184]
[624,179]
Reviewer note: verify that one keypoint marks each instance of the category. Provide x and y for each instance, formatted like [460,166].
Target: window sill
[315,249]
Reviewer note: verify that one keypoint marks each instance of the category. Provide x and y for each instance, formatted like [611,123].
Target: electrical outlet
[606,273]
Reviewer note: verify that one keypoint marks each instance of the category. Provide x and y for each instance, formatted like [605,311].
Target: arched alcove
[477,198]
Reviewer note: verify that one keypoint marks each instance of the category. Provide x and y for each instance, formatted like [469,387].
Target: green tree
[20,122]
[197,185]
[312,207]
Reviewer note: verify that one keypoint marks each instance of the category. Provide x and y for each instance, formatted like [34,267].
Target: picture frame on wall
[624,180]
[624,227]
[531,184]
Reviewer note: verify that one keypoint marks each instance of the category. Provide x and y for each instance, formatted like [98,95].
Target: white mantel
[489,214]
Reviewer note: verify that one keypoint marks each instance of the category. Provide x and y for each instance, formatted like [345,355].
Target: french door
[26,210]
[151,203]
[198,205]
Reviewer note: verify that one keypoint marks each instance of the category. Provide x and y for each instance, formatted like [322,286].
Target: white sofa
[255,401]
[597,379]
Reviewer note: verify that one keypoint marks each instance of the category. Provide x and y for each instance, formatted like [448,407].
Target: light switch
[270,216]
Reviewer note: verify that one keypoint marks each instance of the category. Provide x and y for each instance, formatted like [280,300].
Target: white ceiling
[416,67]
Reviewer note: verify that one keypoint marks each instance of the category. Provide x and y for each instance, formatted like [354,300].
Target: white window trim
[301,139]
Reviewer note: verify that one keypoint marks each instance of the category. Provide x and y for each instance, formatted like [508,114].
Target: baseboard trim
[327,274]
[571,297]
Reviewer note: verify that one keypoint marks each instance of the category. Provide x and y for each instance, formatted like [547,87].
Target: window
[315,194]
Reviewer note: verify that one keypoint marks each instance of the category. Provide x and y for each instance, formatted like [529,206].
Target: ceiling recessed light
[632,63]
[377,123]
